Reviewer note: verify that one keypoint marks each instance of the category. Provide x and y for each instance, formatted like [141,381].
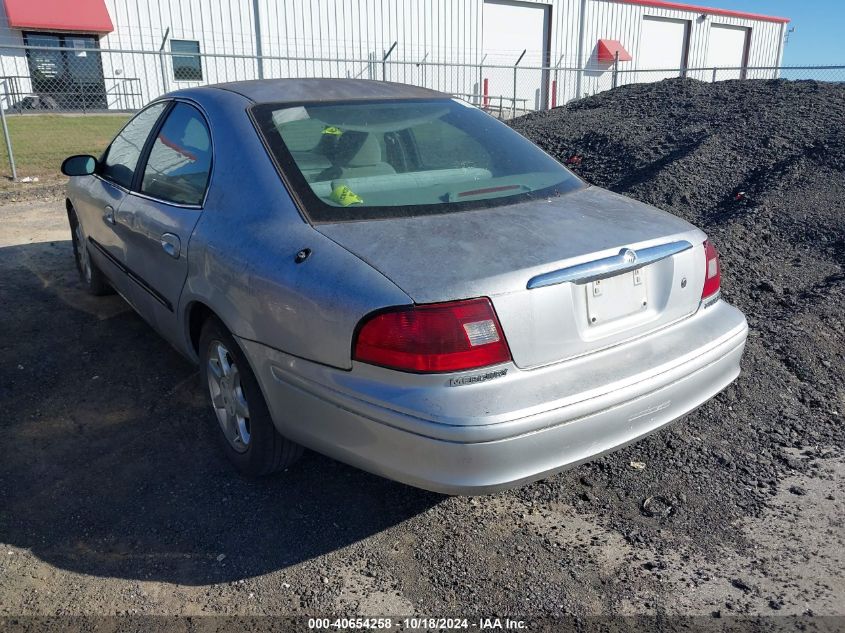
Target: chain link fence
[111,83]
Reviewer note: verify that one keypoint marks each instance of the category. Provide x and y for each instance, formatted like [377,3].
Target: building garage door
[728,49]
[663,45]
[510,28]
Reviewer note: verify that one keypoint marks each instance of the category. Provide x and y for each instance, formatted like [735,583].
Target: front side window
[186,66]
[374,159]
[180,159]
[121,158]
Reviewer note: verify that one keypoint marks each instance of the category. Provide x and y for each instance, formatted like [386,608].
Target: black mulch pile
[760,166]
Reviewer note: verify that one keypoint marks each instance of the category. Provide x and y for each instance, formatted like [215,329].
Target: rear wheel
[93,280]
[246,430]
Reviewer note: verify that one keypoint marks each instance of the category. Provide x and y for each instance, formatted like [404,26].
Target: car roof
[299,90]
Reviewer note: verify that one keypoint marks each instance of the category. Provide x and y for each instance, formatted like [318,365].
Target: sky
[818,38]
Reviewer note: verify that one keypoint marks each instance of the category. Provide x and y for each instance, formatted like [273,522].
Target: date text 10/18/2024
[424,623]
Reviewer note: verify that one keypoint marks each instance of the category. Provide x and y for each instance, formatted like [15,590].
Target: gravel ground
[115,499]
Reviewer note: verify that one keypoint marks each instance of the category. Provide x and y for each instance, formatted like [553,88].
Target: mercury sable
[393,278]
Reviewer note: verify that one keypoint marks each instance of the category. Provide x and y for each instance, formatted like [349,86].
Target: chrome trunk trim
[626,261]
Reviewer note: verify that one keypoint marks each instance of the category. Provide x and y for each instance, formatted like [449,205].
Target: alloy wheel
[82,253]
[227,396]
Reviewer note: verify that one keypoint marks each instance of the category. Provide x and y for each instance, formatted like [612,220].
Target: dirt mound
[760,166]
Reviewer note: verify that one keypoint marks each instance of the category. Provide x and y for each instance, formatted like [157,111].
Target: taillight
[712,271]
[435,337]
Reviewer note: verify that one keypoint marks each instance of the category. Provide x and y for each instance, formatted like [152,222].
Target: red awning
[86,16]
[677,6]
[608,50]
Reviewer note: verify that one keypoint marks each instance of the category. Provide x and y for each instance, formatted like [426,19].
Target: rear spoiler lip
[625,261]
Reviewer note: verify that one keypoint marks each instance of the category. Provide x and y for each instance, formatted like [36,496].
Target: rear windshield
[376,159]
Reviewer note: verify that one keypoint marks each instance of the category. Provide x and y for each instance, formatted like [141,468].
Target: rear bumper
[407,433]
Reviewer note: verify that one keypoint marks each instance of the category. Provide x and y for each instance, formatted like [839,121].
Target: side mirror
[80,165]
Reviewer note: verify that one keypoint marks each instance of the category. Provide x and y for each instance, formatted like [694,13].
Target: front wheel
[93,280]
[249,437]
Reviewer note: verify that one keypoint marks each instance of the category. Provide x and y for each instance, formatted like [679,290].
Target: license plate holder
[616,297]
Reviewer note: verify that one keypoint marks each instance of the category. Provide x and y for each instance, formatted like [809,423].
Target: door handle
[171,244]
[108,214]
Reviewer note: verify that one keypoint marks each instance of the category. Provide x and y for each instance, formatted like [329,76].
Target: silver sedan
[393,278]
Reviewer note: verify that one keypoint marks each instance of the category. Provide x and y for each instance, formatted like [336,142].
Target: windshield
[364,160]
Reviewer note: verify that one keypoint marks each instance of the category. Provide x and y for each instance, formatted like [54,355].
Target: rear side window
[180,159]
[362,160]
[121,158]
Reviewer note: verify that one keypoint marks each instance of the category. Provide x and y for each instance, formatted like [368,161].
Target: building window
[187,65]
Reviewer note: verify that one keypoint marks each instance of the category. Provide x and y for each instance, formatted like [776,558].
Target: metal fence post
[555,81]
[164,84]
[714,75]
[481,79]
[384,62]
[259,46]
[513,105]
[82,97]
[422,71]
[615,69]
[6,134]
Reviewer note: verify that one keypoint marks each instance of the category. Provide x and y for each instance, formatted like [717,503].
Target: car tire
[92,278]
[239,411]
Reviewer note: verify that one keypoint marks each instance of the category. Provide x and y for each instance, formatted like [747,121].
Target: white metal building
[462,46]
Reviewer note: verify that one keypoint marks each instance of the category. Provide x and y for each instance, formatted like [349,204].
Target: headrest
[369,154]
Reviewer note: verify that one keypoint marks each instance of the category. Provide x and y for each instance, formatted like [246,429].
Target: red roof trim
[710,10]
[607,50]
[83,16]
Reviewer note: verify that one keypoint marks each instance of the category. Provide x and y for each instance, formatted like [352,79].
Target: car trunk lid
[501,251]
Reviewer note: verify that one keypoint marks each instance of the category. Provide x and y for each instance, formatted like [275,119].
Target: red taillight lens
[436,337]
[712,271]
